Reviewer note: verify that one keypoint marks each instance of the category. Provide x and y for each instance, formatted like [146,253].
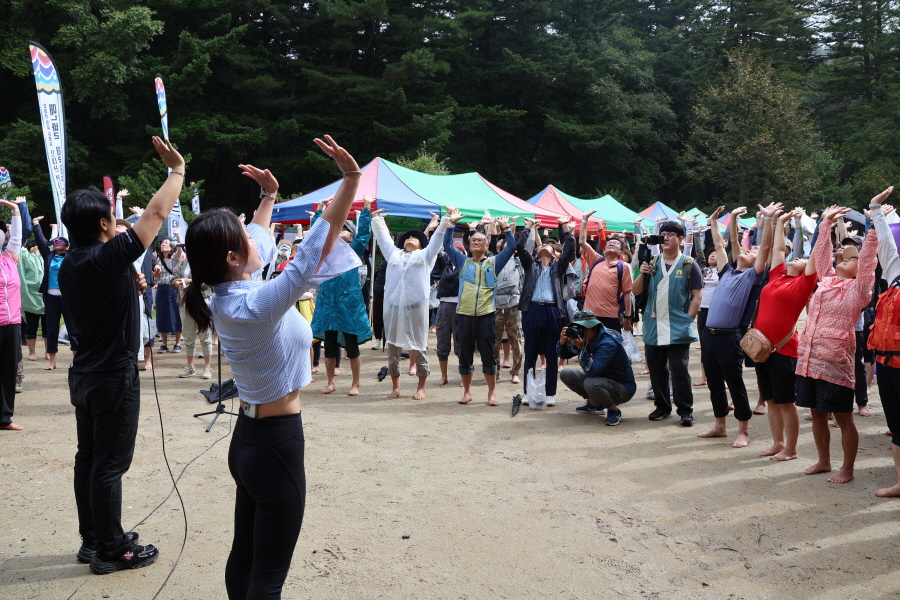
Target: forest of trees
[689,103]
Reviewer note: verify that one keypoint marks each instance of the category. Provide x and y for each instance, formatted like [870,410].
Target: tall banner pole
[176,218]
[53,122]
[195,201]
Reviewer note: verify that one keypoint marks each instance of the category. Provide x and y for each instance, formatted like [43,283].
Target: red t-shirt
[780,304]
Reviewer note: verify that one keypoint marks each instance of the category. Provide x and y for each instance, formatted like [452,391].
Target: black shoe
[382,373]
[132,557]
[687,419]
[87,552]
[660,414]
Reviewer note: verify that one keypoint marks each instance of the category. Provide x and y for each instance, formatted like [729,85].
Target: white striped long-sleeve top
[264,338]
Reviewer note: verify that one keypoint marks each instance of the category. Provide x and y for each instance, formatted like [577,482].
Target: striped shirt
[264,338]
[543,287]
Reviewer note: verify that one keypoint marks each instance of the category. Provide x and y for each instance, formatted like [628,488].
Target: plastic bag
[536,390]
[631,347]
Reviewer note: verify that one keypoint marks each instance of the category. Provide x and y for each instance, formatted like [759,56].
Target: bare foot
[420,394]
[442,381]
[11,427]
[492,400]
[644,372]
[888,433]
[515,379]
[863,410]
[760,409]
[32,357]
[315,369]
[772,450]
[699,383]
[741,440]
[148,367]
[819,467]
[891,492]
[714,432]
[354,390]
[395,393]
[506,365]
[842,476]
[785,455]
[337,370]
[328,388]
[809,417]
[50,367]
[467,397]
[460,384]
[730,406]
[836,425]
[412,371]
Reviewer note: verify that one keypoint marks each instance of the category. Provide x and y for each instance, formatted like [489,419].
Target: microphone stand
[220,408]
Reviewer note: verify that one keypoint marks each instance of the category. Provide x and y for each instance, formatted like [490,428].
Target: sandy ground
[547,504]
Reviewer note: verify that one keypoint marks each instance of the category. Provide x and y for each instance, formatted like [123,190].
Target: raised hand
[263,177]
[502,222]
[771,209]
[739,211]
[9,205]
[714,215]
[529,222]
[379,213]
[345,162]
[37,220]
[880,198]
[168,154]
[453,214]
[20,199]
[123,192]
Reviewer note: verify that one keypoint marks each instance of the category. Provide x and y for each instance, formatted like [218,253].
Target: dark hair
[709,252]
[82,212]
[673,227]
[172,247]
[209,239]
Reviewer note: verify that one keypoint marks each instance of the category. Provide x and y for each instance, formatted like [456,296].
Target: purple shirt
[727,306]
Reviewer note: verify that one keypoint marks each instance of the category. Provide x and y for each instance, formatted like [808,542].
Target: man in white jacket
[406,293]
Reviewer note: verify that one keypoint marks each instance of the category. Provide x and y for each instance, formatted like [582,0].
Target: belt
[544,303]
[720,331]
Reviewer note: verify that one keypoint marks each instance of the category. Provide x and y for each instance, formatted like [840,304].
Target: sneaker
[687,420]
[176,348]
[187,372]
[660,414]
[613,417]
[133,557]
[87,552]
[376,345]
[162,350]
[590,409]
[551,400]
[200,355]
[207,373]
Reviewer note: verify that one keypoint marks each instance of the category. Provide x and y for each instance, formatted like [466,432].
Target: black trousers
[378,314]
[540,330]
[54,307]
[676,355]
[107,409]
[723,360]
[266,462]
[476,331]
[32,321]
[333,348]
[10,355]
[862,390]
[889,390]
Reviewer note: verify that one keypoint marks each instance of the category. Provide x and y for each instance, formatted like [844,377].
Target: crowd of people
[522,298]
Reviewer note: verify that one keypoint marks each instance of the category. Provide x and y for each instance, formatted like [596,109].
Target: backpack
[688,268]
[884,335]
[620,266]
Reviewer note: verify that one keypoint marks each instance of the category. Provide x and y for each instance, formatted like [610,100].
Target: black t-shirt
[97,283]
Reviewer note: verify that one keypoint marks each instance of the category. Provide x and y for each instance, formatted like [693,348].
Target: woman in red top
[780,304]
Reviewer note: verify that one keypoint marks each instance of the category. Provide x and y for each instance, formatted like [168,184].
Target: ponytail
[195,306]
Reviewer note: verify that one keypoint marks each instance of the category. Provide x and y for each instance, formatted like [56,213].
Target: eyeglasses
[668,234]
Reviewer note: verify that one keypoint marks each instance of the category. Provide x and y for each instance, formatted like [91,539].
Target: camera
[653,240]
[575,331]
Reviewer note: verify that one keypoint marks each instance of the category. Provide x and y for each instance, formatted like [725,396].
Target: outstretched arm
[721,254]
[778,246]
[768,216]
[164,199]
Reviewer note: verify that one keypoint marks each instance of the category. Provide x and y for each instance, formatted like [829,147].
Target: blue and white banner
[50,102]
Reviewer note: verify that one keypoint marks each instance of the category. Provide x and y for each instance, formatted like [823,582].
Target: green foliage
[751,137]
[424,162]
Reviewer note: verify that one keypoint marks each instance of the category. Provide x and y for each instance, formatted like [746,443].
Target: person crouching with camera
[604,377]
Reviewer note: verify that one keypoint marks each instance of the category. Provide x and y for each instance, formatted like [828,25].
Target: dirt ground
[432,499]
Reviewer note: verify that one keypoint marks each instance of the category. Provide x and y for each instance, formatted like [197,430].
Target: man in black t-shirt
[98,280]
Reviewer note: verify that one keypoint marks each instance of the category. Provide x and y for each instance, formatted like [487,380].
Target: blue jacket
[339,303]
[606,357]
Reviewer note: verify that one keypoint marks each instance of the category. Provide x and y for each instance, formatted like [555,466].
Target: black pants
[476,331]
[107,409]
[862,390]
[677,357]
[10,355]
[333,349]
[611,323]
[266,462]
[378,314]
[723,360]
[889,390]
[54,307]
[32,321]
[540,330]
[446,331]
[317,353]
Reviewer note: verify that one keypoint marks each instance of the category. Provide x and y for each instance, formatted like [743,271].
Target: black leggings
[889,391]
[333,349]
[266,462]
[32,321]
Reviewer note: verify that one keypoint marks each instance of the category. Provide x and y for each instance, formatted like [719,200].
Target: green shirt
[31,272]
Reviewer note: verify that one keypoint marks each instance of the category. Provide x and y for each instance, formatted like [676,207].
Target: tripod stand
[220,408]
